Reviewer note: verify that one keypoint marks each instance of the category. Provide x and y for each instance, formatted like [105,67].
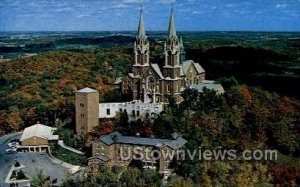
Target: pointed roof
[181,43]
[141,28]
[172,29]
[157,70]
[39,130]
[86,90]
[186,65]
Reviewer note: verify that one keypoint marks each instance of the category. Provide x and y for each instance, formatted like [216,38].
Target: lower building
[146,153]
[38,138]
[134,109]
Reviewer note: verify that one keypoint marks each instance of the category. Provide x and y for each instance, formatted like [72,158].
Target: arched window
[151,84]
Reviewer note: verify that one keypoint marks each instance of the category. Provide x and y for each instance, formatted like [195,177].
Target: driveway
[32,162]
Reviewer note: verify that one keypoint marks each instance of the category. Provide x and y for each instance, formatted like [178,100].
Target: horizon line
[150,31]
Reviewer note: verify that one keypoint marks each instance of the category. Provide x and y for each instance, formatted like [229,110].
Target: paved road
[32,161]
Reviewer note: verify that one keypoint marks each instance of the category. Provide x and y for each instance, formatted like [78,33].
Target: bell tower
[141,59]
[141,48]
[171,68]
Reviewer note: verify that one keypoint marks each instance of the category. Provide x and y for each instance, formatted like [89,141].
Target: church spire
[181,43]
[141,28]
[182,52]
[172,30]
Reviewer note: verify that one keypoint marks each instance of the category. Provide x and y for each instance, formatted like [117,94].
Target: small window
[82,115]
[138,113]
[108,111]
[81,105]
[168,87]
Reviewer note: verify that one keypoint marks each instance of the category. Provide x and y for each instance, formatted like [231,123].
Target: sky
[122,15]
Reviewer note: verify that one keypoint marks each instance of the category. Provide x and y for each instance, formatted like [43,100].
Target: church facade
[152,82]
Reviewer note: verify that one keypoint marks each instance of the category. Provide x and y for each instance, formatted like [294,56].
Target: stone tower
[171,68]
[87,110]
[141,56]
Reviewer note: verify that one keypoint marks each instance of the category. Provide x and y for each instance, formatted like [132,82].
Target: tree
[40,180]
[106,178]
[14,120]
[151,178]
[113,96]
[131,177]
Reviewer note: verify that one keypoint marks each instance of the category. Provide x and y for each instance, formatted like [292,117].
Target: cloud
[134,1]
[245,12]
[64,9]
[118,6]
[166,1]
[231,5]
[184,10]
[83,15]
[196,12]
[45,16]
[281,5]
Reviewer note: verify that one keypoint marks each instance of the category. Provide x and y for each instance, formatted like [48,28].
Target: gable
[186,65]
[156,69]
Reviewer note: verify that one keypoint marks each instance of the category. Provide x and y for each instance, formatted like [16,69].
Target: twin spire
[141,28]
[171,31]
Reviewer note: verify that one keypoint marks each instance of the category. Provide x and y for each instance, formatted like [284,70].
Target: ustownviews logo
[140,153]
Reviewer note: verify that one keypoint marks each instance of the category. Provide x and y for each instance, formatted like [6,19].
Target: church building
[151,82]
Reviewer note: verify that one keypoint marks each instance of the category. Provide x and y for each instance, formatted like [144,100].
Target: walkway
[61,143]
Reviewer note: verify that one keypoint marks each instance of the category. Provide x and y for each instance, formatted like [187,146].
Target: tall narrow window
[108,111]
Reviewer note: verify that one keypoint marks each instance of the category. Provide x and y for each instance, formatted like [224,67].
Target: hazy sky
[116,15]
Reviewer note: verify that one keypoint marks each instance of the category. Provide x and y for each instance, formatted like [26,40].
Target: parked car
[14,140]
[15,144]
[10,151]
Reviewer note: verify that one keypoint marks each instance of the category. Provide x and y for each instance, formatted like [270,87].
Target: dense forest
[41,88]
[243,118]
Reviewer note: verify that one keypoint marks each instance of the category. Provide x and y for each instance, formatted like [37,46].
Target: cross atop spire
[141,28]
[172,30]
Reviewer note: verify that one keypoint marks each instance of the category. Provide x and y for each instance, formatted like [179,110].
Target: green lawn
[69,156]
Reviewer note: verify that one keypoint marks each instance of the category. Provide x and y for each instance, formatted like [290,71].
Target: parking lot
[32,161]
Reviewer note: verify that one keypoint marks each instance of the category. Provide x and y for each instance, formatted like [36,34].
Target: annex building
[89,111]
[117,149]
[37,138]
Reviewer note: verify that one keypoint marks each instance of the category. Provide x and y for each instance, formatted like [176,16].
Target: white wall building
[134,108]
